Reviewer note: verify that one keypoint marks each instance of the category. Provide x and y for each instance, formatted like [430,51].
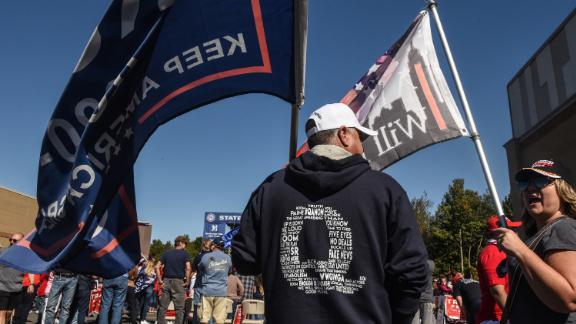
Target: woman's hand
[510,242]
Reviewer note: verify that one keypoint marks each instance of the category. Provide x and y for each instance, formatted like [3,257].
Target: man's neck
[331,151]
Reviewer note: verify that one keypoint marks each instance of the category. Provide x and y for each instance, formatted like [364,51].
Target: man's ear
[344,136]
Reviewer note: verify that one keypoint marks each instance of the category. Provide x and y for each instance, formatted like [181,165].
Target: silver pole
[300,43]
[473,132]
[294,132]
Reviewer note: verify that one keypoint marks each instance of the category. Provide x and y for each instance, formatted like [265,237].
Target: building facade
[18,213]
[542,102]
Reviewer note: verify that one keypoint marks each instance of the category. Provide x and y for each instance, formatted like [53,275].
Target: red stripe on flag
[115,242]
[429,97]
[127,203]
[45,252]
[257,12]
[126,232]
[266,67]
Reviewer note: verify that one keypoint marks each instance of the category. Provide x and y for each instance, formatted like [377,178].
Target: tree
[421,207]
[194,247]
[507,206]
[157,248]
[457,229]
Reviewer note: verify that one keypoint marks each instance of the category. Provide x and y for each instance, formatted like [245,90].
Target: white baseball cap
[332,116]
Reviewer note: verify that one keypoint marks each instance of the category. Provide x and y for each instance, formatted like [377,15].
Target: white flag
[405,97]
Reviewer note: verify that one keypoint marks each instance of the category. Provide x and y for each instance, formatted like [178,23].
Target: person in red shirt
[443,287]
[493,287]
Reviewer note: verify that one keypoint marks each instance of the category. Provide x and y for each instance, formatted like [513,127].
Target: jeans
[113,296]
[40,303]
[65,286]
[196,302]
[425,313]
[79,308]
[173,290]
[144,301]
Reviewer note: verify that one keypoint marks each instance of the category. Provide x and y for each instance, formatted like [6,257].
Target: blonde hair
[207,245]
[567,196]
[149,270]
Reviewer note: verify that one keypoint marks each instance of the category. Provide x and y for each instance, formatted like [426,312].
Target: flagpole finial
[431,3]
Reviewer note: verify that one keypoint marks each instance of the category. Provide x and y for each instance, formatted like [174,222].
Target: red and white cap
[546,168]
[493,222]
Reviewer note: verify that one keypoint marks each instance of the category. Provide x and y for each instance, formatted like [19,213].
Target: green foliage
[421,207]
[157,248]
[194,247]
[507,206]
[457,229]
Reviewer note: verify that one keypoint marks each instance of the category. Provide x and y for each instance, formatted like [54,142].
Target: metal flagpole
[300,43]
[473,132]
[294,131]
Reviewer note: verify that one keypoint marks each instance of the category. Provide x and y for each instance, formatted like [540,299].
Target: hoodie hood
[311,173]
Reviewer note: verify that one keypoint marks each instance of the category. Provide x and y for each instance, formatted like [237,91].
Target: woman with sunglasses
[543,268]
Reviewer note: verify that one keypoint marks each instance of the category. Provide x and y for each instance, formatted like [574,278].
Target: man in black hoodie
[335,241]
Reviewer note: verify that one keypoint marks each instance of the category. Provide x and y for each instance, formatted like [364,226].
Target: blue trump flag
[146,63]
[229,236]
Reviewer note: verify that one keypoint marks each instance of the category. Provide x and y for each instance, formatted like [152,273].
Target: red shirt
[488,260]
[26,280]
[43,284]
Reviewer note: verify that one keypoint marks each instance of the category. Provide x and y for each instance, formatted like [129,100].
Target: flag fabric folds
[405,97]
[146,63]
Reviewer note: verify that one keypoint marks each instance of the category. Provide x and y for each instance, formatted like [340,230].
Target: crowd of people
[62,296]
[332,241]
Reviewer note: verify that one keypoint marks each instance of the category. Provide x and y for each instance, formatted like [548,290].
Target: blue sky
[212,158]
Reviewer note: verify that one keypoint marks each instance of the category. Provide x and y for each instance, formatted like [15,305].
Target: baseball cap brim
[512,224]
[334,116]
[527,172]
[366,131]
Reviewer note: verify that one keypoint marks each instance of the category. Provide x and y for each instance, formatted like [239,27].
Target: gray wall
[546,82]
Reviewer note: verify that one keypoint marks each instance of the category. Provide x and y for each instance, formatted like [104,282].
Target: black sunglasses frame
[538,182]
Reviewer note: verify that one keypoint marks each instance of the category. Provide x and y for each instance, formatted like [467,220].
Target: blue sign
[164,58]
[217,224]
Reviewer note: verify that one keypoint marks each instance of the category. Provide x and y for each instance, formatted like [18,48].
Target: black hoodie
[336,242]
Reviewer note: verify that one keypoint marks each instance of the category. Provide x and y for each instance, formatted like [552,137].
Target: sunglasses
[537,182]
[13,240]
